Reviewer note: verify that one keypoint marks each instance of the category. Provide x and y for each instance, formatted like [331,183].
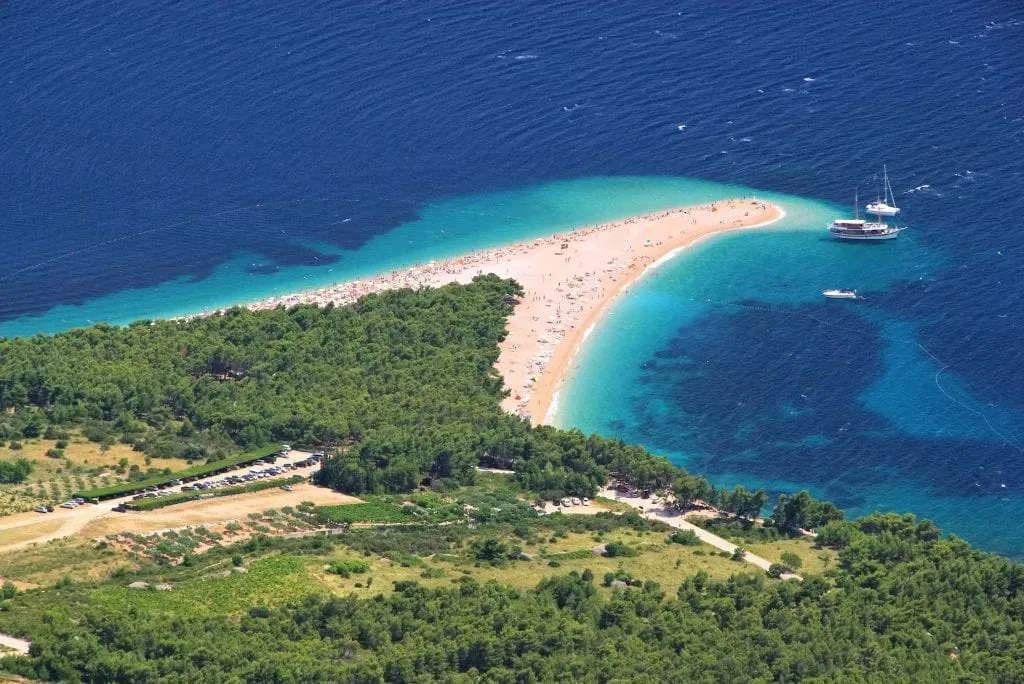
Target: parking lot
[23,529]
[287,463]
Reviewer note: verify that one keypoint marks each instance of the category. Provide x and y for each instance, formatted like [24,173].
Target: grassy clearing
[612,504]
[814,559]
[82,452]
[19,499]
[269,581]
[667,564]
[45,564]
[16,535]
[373,511]
[84,466]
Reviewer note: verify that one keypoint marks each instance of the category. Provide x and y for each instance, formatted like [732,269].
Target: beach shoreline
[570,280]
[547,402]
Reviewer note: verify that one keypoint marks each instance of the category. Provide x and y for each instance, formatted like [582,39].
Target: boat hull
[866,238]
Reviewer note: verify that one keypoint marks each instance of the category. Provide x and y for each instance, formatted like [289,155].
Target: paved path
[675,520]
[496,471]
[19,645]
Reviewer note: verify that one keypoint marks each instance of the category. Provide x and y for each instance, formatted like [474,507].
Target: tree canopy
[903,606]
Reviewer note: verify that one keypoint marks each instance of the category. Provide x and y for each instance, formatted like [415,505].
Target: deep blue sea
[168,158]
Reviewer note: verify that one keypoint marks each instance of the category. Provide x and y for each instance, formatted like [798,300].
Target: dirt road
[101,519]
[14,643]
[653,512]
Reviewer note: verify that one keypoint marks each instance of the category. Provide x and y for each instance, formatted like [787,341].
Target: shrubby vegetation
[903,605]
[401,389]
[13,472]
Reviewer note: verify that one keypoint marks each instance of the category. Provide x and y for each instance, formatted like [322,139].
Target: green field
[371,512]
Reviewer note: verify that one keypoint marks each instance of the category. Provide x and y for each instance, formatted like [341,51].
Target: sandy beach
[569,280]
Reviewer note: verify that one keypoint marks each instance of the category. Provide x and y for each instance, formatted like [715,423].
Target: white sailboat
[882,207]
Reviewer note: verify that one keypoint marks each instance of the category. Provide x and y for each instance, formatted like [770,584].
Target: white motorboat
[840,294]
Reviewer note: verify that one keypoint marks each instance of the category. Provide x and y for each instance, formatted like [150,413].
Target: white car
[575,501]
[566,502]
[586,501]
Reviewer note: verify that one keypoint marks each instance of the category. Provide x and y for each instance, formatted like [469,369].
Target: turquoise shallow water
[441,229]
[729,361]
[725,359]
[161,162]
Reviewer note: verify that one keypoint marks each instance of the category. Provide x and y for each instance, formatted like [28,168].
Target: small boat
[840,294]
[882,206]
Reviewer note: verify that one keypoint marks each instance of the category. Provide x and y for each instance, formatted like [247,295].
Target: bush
[739,553]
[236,560]
[55,453]
[347,568]
[685,537]
[619,550]
[15,445]
[792,561]
[492,551]
[431,573]
[62,444]
[776,570]
[13,472]
[619,575]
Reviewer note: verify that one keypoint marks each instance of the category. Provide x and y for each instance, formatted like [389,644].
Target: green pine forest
[400,390]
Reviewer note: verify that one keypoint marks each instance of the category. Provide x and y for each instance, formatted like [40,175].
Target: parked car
[43,509]
[566,502]
[119,508]
[69,504]
[586,501]
[79,500]
[174,483]
[575,501]
[286,488]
